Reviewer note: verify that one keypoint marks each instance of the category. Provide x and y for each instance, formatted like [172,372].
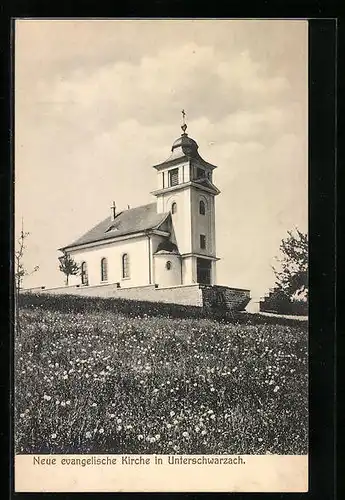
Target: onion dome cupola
[188,146]
[185,165]
[184,148]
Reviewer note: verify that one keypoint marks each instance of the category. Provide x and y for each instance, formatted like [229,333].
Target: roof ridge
[141,206]
[134,208]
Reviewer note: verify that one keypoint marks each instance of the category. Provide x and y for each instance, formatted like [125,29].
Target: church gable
[166,224]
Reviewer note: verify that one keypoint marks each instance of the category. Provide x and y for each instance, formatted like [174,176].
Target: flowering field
[110,382]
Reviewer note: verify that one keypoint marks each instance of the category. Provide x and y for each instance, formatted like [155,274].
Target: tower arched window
[202,209]
[125,265]
[174,208]
[104,269]
[84,276]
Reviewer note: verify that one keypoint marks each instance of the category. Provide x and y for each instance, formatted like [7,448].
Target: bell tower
[186,190]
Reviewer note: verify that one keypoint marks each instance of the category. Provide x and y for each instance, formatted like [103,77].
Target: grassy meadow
[100,380]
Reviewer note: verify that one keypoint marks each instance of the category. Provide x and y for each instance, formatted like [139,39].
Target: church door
[203,271]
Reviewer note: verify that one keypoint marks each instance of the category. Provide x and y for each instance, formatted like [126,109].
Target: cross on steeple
[184,125]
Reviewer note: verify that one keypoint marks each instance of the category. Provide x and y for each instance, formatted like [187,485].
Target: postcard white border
[253,473]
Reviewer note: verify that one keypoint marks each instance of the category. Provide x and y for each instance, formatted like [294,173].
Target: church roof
[131,221]
[184,148]
[166,246]
[187,144]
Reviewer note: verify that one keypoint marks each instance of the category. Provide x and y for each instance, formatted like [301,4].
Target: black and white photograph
[161,250]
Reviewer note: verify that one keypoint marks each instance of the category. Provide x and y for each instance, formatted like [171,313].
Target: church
[168,242]
[164,251]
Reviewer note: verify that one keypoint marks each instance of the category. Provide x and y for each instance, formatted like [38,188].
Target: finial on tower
[113,211]
[184,125]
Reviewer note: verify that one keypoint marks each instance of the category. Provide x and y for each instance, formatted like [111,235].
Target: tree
[292,275]
[20,270]
[68,266]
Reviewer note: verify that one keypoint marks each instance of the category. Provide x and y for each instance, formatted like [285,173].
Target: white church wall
[137,250]
[189,270]
[186,295]
[184,173]
[180,219]
[156,240]
[160,204]
[167,269]
[203,224]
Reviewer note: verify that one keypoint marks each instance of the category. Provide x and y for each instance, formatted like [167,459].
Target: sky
[98,103]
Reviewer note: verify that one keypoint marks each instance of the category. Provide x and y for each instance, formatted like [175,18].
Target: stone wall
[210,297]
[222,298]
[187,295]
[183,294]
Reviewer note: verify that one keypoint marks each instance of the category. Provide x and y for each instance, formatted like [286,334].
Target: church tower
[186,190]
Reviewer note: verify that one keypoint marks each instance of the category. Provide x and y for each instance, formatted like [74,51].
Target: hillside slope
[106,381]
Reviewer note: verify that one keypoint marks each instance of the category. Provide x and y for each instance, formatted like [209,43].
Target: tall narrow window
[173,177]
[174,208]
[104,269]
[202,241]
[125,266]
[202,207]
[84,276]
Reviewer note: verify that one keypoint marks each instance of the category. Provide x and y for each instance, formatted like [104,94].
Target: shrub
[280,303]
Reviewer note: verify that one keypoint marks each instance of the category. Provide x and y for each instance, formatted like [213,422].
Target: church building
[169,242]
[161,252]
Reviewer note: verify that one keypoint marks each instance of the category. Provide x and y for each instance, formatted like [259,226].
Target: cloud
[205,81]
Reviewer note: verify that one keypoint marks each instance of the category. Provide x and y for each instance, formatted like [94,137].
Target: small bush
[278,302]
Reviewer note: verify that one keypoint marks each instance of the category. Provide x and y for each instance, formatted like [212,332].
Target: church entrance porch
[203,271]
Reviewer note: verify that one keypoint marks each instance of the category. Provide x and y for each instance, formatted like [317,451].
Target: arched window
[168,265]
[202,210]
[125,266]
[174,208]
[104,269]
[84,277]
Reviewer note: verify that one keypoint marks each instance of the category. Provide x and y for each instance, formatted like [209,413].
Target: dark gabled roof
[207,183]
[131,221]
[166,246]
